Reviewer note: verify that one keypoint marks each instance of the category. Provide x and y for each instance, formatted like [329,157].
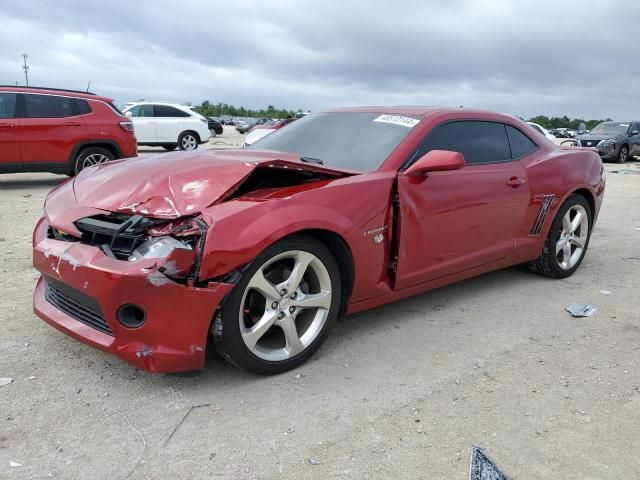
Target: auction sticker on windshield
[397,120]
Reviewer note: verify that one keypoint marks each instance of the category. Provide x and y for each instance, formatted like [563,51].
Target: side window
[47,106]
[142,111]
[7,105]
[521,145]
[479,141]
[82,107]
[167,111]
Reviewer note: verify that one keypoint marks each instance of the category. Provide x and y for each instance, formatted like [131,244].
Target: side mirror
[128,114]
[634,132]
[435,161]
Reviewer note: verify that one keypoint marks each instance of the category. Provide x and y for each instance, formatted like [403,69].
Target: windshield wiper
[312,160]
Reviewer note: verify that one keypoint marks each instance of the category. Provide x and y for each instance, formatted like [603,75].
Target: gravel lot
[401,391]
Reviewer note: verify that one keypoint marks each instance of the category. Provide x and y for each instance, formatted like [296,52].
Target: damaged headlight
[160,247]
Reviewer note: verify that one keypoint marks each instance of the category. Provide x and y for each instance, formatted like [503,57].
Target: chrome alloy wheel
[189,142]
[573,237]
[94,159]
[285,305]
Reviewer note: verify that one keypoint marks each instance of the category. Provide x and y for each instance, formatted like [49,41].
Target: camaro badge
[378,238]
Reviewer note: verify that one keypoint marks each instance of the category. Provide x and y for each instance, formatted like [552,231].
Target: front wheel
[567,241]
[282,309]
[623,154]
[188,141]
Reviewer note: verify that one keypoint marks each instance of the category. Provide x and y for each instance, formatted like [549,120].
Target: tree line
[216,110]
[564,122]
[209,109]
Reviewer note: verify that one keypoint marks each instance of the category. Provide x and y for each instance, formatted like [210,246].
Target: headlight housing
[610,142]
[159,247]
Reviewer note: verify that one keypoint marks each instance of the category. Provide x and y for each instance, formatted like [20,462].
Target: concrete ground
[402,391]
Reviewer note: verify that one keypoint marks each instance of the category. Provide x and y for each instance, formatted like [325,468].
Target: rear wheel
[567,241]
[188,141]
[213,133]
[91,156]
[282,309]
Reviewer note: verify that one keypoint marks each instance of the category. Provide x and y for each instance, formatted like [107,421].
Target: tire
[264,296]
[188,141]
[213,133]
[170,148]
[91,156]
[623,154]
[560,256]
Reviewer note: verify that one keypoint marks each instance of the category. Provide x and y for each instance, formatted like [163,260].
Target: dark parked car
[215,126]
[246,126]
[615,141]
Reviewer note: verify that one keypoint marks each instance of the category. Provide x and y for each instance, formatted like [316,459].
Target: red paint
[452,225]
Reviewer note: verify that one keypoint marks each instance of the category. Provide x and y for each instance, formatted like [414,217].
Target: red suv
[60,131]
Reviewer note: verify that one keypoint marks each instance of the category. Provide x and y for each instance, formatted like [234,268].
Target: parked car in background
[260,131]
[168,125]
[244,127]
[215,126]
[615,141]
[560,133]
[543,131]
[256,252]
[60,131]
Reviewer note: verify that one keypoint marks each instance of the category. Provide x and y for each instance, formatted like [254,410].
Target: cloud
[524,58]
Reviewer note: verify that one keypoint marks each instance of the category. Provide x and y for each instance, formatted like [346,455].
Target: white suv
[168,125]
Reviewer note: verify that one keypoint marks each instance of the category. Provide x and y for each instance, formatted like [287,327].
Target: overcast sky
[579,58]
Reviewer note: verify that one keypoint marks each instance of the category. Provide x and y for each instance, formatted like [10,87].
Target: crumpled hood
[177,184]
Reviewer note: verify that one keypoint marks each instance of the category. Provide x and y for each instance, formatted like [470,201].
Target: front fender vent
[545,206]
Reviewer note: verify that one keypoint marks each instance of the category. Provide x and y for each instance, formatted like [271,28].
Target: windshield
[610,129]
[348,140]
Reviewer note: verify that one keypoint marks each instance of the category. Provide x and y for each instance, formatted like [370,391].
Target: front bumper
[178,317]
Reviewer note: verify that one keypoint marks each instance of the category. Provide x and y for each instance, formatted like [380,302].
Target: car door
[144,123]
[171,122]
[452,221]
[9,146]
[49,129]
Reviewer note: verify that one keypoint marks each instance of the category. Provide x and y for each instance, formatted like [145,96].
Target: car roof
[54,91]
[417,111]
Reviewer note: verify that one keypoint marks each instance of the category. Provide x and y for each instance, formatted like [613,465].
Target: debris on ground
[313,461]
[626,171]
[482,468]
[5,381]
[15,464]
[605,292]
[581,309]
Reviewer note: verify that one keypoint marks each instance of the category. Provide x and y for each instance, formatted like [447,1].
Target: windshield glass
[348,140]
[610,129]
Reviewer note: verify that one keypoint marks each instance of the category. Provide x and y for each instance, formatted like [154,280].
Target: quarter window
[47,106]
[82,107]
[521,145]
[166,111]
[479,141]
[7,105]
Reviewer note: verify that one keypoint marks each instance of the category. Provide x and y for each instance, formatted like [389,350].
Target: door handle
[71,124]
[515,182]
[7,125]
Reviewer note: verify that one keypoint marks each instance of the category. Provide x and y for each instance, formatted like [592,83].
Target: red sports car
[256,252]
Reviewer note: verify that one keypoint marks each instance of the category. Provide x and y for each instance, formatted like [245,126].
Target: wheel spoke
[560,245]
[294,344]
[566,251]
[577,220]
[256,332]
[314,300]
[303,259]
[264,286]
[566,223]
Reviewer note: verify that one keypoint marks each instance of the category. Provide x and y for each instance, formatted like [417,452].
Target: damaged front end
[129,285]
